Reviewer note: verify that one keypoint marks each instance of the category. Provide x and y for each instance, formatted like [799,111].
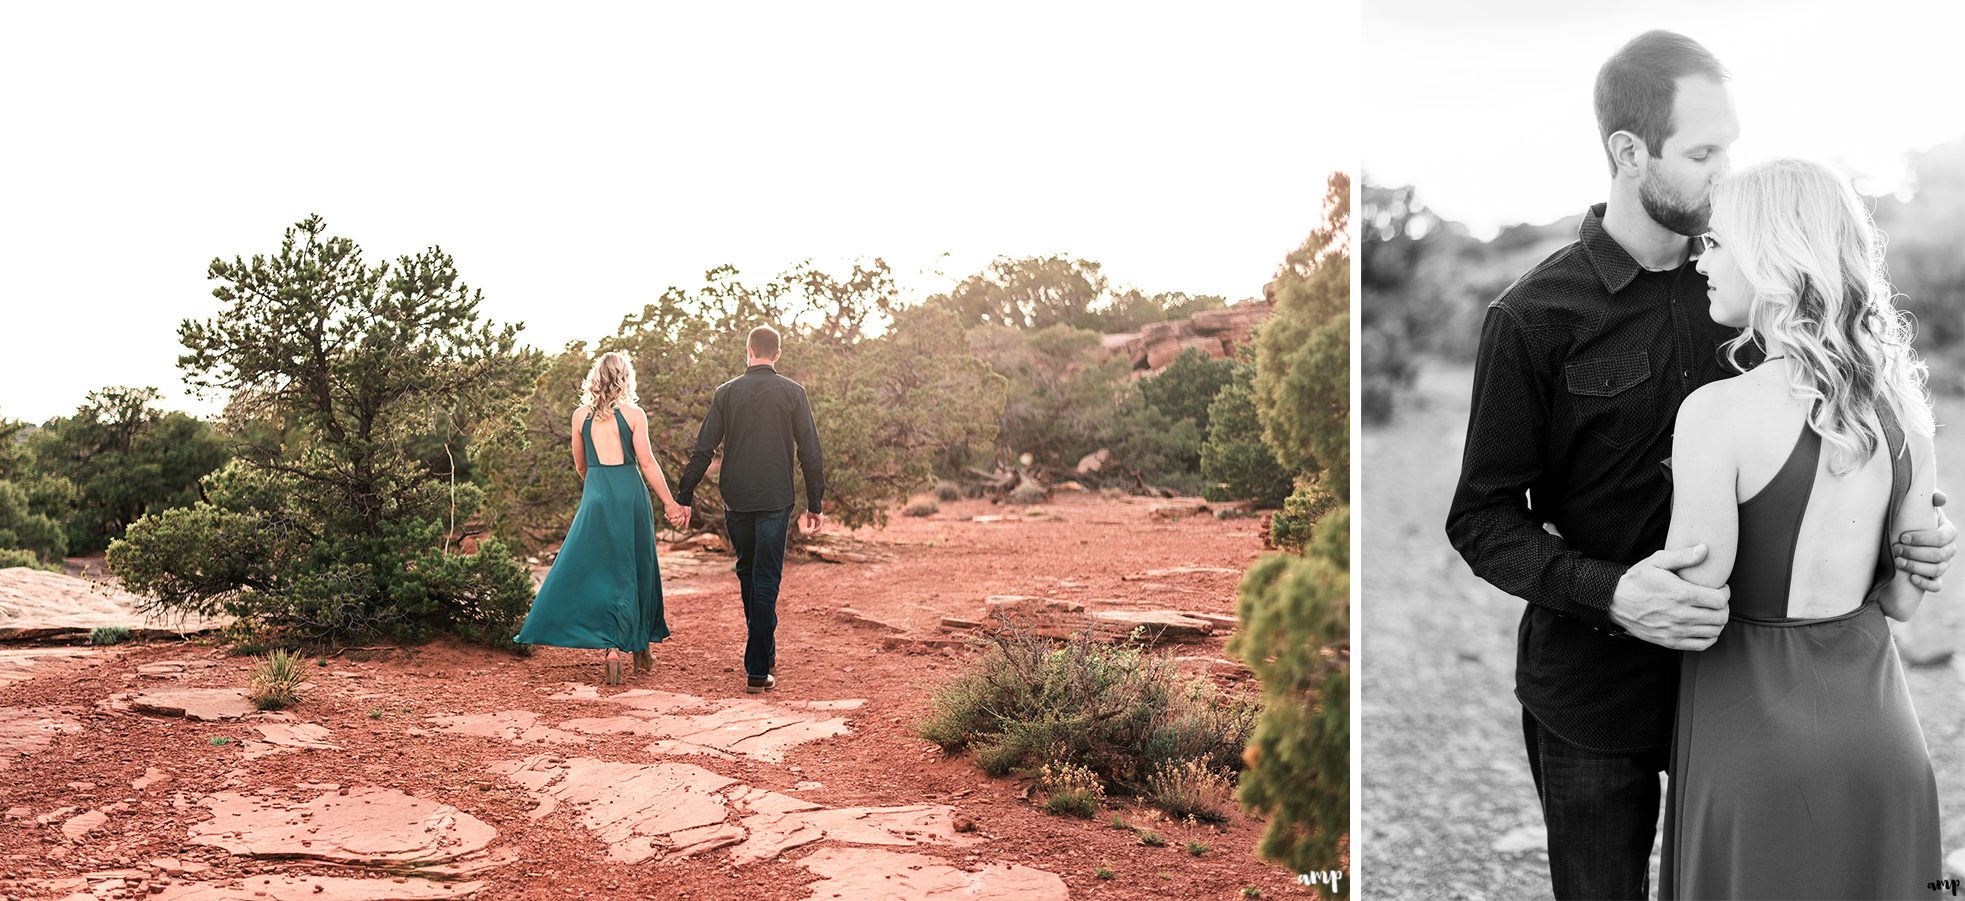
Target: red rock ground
[381,712]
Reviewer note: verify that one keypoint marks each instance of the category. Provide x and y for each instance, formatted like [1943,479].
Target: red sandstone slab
[366,825]
[638,810]
[21,664]
[774,834]
[206,704]
[520,726]
[866,874]
[320,888]
[25,730]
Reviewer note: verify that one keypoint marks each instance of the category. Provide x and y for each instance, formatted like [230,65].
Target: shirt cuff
[1596,585]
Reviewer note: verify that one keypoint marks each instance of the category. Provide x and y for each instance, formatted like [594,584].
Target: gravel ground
[1448,809]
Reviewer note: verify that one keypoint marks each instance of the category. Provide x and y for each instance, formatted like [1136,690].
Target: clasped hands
[678,515]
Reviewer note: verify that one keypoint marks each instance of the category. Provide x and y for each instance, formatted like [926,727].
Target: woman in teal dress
[605,588]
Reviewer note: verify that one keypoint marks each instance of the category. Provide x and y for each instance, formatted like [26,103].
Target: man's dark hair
[1636,87]
[763,342]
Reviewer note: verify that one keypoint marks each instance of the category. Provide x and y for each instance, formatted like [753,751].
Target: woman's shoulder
[1711,401]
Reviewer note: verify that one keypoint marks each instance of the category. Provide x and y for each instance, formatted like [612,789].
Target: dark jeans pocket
[1613,398]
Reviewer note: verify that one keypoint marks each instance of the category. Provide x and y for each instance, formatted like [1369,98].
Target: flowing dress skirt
[1798,767]
[605,588]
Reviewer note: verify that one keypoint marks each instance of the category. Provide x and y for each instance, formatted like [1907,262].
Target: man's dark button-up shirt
[1582,365]
[757,417]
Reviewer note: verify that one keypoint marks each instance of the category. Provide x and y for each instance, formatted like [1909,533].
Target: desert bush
[1302,384]
[107,635]
[1158,448]
[1295,615]
[26,525]
[1295,611]
[1289,528]
[1071,790]
[1113,709]
[1235,461]
[276,680]
[1186,387]
[329,525]
[921,505]
[13,556]
[1028,493]
[1061,398]
[948,490]
[1189,788]
[124,458]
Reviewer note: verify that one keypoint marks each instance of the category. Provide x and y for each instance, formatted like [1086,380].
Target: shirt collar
[756,367]
[1614,265]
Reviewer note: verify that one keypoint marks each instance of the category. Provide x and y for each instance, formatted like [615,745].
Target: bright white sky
[576,161]
[1485,107]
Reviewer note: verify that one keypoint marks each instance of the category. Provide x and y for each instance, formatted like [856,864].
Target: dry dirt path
[139,772]
[1447,808]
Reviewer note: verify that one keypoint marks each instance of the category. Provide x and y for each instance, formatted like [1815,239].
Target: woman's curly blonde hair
[1808,248]
[611,383]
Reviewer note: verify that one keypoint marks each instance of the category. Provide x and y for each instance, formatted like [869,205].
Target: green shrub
[1289,528]
[123,457]
[25,525]
[106,635]
[12,556]
[1196,848]
[330,524]
[1152,839]
[1295,622]
[921,505]
[1102,873]
[1191,789]
[1114,710]
[276,680]
[1234,460]
[1302,383]
[1071,790]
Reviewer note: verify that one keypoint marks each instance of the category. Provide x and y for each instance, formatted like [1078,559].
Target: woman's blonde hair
[610,383]
[1814,260]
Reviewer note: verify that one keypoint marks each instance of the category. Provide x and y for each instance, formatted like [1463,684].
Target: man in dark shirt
[758,417]
[1564,497]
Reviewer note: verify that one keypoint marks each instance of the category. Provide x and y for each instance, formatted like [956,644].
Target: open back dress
[605,587]
[1798,767]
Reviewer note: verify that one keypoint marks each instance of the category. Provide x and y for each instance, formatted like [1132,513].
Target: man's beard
[1666,208]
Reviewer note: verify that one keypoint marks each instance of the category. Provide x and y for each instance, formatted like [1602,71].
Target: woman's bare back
[1836,547]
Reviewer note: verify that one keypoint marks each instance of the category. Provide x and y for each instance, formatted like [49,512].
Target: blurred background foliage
[1427,281]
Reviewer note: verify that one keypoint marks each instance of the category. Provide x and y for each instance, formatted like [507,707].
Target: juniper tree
[327,523]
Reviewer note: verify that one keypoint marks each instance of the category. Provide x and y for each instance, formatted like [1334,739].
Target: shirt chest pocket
[1613,398]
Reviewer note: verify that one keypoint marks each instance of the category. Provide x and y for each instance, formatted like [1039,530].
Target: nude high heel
[612,669]
[644,661]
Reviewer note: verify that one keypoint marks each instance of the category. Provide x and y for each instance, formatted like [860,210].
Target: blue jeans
[1602,814]
[759,540]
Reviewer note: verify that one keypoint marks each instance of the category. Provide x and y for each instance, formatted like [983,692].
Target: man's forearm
[1512,552]
[692,476]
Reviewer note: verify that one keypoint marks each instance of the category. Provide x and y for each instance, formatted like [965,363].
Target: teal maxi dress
[605,588]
